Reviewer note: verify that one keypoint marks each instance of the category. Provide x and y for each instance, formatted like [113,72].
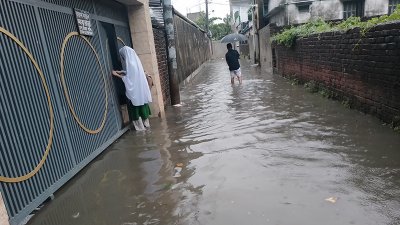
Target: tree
[217,30]
[201,21]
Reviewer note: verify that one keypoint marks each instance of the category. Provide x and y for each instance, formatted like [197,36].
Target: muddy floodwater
[264,152]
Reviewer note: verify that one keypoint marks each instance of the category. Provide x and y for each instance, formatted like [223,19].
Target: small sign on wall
[83,22]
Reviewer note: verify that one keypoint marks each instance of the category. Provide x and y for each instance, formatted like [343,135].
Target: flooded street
[264,152]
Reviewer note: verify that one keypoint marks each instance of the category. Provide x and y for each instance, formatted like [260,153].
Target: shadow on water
[130,183]
[264,152]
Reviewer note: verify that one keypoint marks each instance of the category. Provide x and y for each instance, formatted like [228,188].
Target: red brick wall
[364,69]
[162,60]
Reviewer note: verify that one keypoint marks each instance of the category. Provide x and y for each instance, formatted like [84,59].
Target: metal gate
[58,107]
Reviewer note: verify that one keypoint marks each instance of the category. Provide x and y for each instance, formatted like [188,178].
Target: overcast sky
[216,8]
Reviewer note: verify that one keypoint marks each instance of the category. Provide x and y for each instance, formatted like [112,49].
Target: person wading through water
[232,59]
[137,87]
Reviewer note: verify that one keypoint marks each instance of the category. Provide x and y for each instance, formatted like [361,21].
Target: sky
[216,8]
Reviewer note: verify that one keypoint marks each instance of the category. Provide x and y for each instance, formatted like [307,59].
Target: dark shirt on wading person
[232,58]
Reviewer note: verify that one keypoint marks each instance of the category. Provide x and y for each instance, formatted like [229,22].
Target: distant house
[287,12]
[239,10]
[194,16]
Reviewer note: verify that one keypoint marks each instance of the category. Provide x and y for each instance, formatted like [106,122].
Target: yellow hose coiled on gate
[51,114]
[64,85]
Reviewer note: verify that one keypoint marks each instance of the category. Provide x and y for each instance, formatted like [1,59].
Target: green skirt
[136,112]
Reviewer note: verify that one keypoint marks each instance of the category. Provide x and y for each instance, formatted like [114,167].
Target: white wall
[376,7]
[279,19]
[265,49]
[251,48]
[242,12]
[296,17]
[274,3]
[219,50]
[327,9]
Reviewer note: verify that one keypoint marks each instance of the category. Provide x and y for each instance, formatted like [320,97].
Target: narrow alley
[265,152]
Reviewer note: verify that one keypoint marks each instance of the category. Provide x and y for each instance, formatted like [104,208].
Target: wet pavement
[264,152]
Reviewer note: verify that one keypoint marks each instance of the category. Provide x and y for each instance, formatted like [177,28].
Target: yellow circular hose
[122,41]
[51,114]
[71,108]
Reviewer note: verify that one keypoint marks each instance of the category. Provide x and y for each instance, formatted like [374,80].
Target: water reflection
[264,152]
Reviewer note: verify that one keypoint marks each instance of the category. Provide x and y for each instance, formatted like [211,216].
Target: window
[392,5]
[303,8]
[265,7]
[353,8]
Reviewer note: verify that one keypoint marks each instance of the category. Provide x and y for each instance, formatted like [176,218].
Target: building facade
[287,12]
[278,13]
[60,106]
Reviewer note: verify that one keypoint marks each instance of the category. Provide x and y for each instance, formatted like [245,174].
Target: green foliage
[218,30]
[201,21]
[396,123]
[294,81]
[346,103]
[367,25]
[289,36]
[348,24]
[397,129]
[311,86]
[326,93]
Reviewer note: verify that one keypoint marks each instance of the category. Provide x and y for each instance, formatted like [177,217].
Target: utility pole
[255,33]
[207,28]
[172,65]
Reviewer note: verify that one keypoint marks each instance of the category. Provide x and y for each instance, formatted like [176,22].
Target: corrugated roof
[155,3]
[156,13]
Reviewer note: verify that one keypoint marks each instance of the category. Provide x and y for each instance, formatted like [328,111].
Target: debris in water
[152,221]
[332,199]
[177,172]
[141,205]
[75,216]
[168,186]
[177,105]
[178,169]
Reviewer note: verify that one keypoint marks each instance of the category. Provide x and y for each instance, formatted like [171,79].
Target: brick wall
[364,69]
[162,60]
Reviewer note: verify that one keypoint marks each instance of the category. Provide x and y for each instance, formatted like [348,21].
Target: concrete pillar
[266,49]
[143,43]
[168,15]
[3,212]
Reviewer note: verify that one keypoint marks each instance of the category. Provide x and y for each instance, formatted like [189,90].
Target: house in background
[194,16]
[287,12]
[239,11]
[292,12]
[244,14]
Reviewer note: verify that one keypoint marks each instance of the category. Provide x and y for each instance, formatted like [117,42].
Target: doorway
[111,51]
